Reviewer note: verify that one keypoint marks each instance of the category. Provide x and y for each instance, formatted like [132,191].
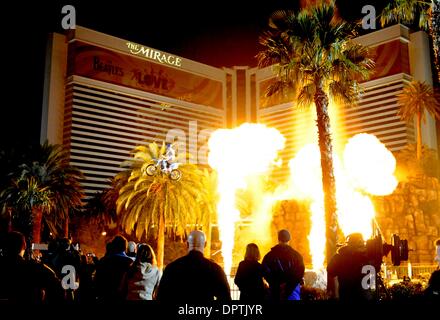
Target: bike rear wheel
[151,169]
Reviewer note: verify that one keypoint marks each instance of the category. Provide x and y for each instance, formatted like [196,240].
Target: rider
[168,158]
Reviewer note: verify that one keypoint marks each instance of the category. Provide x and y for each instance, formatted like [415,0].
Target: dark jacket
[28,282]
[283,268]
[193,278]
[249,279]
[347,265]
[110,273]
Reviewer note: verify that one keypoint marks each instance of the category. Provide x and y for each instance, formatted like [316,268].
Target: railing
[235,292]
[409,270]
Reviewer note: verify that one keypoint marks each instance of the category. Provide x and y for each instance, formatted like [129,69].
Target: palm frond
[313,47]
[416,98]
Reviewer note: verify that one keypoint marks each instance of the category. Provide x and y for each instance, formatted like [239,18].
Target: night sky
[218,33]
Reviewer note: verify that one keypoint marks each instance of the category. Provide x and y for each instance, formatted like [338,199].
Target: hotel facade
[104,95]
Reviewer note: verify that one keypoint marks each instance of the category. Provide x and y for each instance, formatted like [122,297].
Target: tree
[101,207]
[45,189]
[209,206]
[416,99]
[29,198]
[157,203]
[424,12]
[314,57]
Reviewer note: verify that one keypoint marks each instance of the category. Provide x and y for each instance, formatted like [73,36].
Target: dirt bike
[161,165]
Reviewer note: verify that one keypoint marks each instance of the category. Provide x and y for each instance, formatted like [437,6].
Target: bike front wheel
[175,174]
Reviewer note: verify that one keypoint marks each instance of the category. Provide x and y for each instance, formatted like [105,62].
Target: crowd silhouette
[129,272]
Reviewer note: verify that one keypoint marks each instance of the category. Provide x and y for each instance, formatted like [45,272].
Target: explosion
[237,155]
[367,169]
[245,155]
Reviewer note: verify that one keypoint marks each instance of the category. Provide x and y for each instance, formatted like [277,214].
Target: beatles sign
[157,77]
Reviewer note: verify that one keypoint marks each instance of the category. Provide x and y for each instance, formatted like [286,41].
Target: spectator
[437,252]
[65,255]
[111,270]
[249,277]
[26,281]
[131,250]
[432,292]
[86,290]
[345,270]
[283,268]
[144,275]
[193,277]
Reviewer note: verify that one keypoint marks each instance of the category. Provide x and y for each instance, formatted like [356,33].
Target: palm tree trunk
[435,32]
[419,136]
[37,217]
[161,240]
[328,178]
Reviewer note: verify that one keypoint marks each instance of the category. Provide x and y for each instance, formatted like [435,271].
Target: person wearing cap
[193,278]
[283,269]
[345,270]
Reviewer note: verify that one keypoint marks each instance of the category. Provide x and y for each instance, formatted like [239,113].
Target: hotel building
[104,95]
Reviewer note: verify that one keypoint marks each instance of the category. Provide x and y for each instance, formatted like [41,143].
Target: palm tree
[416,99]
[101,207]
[157,203]
[47,187]
[314,58]
[425,12]
[209,206]
[29,198]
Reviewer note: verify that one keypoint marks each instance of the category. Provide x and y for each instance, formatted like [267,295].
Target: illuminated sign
[153,54]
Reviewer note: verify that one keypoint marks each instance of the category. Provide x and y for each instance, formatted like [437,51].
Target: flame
[243,156]
[306,184]
[370,165]
[238,154]
[368,169]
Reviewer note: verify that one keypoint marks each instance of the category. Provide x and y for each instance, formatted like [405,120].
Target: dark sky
[218,33]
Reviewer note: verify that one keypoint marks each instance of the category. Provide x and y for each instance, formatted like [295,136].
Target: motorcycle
[161,165]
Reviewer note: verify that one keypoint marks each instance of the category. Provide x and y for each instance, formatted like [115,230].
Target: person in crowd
[131,250]
[249,277]
[24,281]
[437,252]
[283,268]
[65,255]
[194,277]
[345,270]
[86,290]
[143,276]
[111,270]
[432,292]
